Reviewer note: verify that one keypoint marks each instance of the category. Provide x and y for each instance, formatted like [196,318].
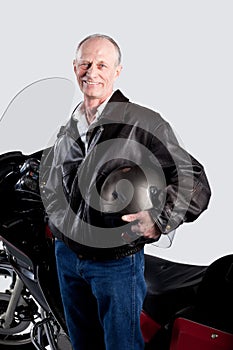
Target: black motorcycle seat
[164,276]
[171,286]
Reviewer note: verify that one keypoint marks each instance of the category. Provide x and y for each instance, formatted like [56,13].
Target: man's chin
[93,94]
[92,91]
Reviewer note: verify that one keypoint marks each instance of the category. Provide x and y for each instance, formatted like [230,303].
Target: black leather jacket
[125,134]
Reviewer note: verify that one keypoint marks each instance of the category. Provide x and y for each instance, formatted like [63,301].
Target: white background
[177,58]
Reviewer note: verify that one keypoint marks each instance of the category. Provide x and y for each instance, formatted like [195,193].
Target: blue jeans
[102,300]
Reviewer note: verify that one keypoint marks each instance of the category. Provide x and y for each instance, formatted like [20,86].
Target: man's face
[96,68]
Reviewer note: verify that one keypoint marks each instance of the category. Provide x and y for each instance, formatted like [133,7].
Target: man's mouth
[90,82]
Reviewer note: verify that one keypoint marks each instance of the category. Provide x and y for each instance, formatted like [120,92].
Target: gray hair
[102,36]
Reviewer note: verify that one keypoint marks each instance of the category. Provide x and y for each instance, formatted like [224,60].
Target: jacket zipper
[95,140]
[90,148]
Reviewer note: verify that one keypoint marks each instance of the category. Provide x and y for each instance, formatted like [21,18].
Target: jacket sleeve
[52,193]
[58,169]
[187,191]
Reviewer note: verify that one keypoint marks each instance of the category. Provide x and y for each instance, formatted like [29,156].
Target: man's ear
[75,66]
[118,71]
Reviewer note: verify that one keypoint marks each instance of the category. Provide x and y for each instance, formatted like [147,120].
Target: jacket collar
[117,96]
[115,108]
[113,111]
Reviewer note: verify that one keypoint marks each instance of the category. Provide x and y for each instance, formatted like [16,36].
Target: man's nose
[92,70]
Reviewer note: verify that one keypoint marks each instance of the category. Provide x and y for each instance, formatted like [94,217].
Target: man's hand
[144,226]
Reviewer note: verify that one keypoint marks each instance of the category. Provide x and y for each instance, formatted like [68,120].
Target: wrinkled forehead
[98,49]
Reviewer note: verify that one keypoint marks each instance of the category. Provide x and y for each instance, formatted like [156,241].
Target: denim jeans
[102,300]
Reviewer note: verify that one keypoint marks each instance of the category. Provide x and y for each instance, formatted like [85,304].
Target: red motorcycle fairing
[189,335]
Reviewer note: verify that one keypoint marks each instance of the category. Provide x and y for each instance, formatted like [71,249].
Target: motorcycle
[186,306]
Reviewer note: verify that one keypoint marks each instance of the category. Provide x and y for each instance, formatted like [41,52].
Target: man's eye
[102,65]
[84,65]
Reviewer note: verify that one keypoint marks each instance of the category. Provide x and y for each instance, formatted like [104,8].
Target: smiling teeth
[91,83]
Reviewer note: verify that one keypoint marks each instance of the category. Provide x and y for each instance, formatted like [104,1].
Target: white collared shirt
[82,123]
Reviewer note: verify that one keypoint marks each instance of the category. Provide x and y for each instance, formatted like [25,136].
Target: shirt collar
[79,114]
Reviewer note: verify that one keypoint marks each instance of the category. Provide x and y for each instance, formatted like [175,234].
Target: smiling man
[97,66]
[99,252]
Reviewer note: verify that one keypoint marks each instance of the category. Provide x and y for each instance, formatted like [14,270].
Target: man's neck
[90,114]
[90,106]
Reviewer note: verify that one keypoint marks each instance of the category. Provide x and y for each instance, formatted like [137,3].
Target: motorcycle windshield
[33,117]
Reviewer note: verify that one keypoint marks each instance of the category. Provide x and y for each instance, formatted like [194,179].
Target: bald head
[102,37]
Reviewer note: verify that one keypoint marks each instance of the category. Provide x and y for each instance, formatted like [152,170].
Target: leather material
[126,134]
